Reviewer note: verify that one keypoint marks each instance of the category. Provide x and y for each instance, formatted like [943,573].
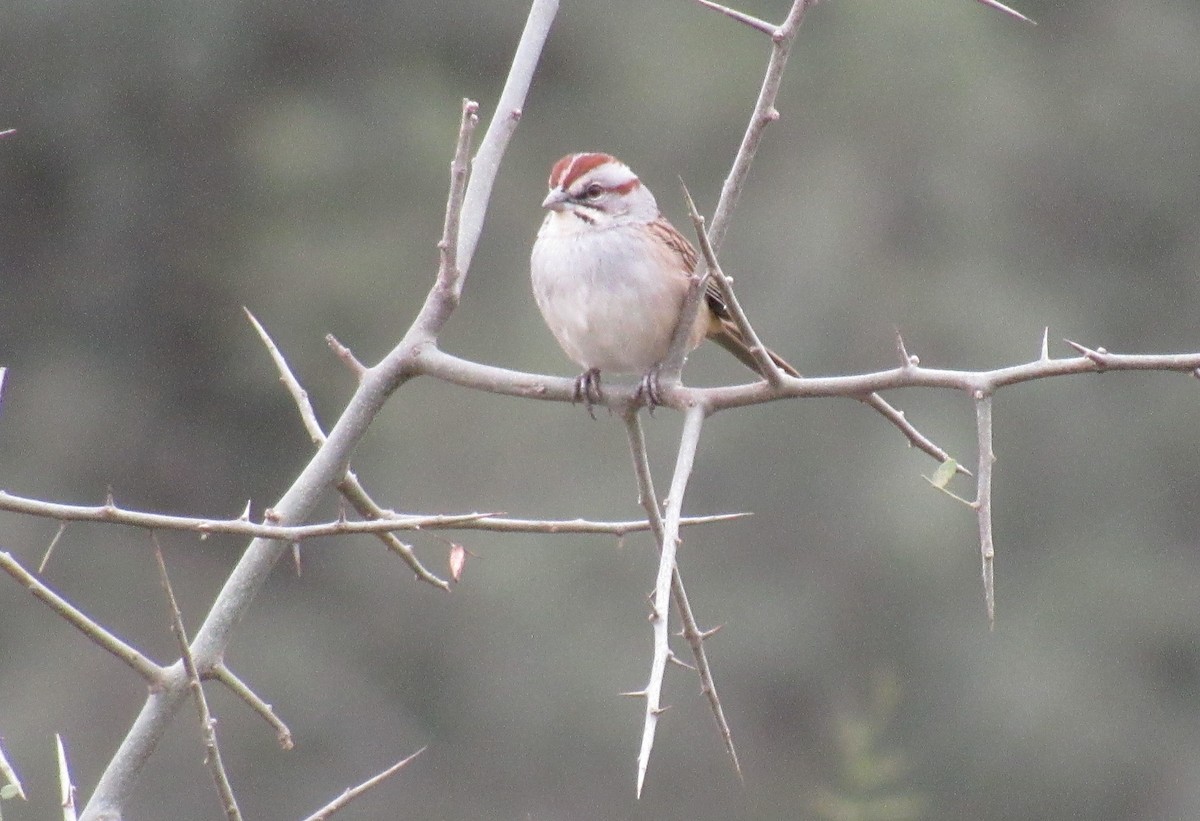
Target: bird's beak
[556,199]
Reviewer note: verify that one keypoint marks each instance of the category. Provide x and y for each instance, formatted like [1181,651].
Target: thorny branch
[691,632]
[418,354]
[110,513]
[354,792]
[208,730]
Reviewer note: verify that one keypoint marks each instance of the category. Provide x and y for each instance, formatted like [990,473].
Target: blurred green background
[939,168]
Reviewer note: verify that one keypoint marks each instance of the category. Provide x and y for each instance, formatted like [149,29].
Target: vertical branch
[763,115]
[690,629]
[449,273]
[983,501]
[500,130]
[689,441]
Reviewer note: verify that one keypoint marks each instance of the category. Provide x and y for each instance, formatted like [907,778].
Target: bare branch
[208,732]
[144,667]
[761,26]
[449,275]
[689,442]
[764,114]
[691,633]
[349,486]
[983,502]
[766,365]
[721,398]
[486,164]
[62,527]
[327,467]
[308,414]
[349,795]
[695,638]
[346,356]
[239,688]
[387,521]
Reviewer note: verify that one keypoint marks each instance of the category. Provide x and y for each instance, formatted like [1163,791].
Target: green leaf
[944,473]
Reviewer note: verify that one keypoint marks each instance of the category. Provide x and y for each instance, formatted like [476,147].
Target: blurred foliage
[872,777]
[938,168]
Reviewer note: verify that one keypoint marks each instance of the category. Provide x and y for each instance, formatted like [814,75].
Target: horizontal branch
[915,376]
[111,514]
[468,374]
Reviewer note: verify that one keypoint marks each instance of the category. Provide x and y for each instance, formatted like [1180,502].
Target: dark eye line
[593,191]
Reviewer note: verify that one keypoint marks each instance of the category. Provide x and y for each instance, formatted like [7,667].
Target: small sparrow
[610,274]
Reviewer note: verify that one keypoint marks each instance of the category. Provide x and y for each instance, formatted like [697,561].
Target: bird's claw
[587,390]
[648,391]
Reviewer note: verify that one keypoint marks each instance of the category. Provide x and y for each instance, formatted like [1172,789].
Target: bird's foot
[587,390]
[647,391]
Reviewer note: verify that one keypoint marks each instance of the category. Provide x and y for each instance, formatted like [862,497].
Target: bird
[610,275]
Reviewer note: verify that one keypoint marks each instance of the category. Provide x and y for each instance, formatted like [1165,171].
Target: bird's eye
[594,190]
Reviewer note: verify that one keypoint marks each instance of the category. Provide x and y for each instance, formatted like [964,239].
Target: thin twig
[388,521]
[354,792]
[239,688]
[983,502]
[766,366]
[141,665]
[449,275]
[62,527]
[308,414]
[208,732]
[761,26]
[764,114]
